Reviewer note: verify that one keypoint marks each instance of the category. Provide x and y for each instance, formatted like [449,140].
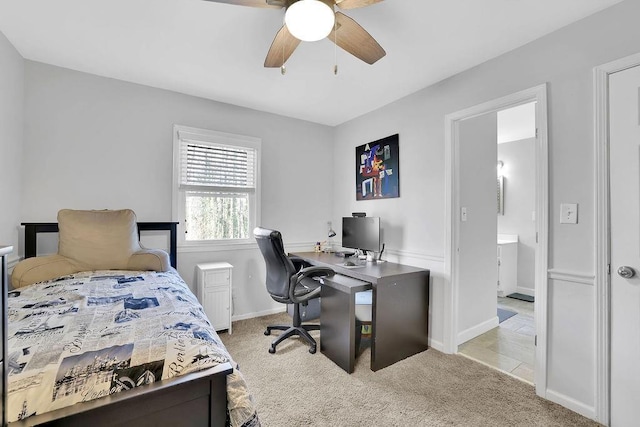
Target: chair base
[289,331]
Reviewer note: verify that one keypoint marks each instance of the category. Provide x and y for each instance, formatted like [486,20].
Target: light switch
[569,213]
[463,214]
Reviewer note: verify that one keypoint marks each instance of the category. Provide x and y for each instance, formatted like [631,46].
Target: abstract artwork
[377,169]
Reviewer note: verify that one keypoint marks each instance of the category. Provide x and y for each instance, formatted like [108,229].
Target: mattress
[92,334]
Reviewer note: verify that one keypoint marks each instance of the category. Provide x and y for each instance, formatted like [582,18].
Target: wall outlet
[569,213]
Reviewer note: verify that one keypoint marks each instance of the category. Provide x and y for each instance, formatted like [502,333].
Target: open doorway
[510,346]
[472,230]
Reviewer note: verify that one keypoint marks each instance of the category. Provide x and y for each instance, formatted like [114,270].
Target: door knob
[626,272]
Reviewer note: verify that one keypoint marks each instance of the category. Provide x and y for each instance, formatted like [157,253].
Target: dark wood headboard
[31,230]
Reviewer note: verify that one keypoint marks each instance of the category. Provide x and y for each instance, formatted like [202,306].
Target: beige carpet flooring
[295,388]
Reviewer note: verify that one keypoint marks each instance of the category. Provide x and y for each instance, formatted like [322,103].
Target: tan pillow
[38,269]
[92,240]
[98,240]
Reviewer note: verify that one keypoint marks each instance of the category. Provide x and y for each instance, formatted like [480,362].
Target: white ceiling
[216,51]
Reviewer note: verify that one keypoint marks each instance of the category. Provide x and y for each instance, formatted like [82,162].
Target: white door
[477,273]
[624,119]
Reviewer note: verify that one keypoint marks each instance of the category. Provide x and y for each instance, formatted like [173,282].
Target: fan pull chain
[335,48]
[283,69]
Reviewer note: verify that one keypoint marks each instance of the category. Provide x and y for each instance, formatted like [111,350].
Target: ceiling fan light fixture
[309,20]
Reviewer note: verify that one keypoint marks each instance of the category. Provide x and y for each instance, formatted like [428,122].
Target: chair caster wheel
[267,332]
[312,350]
[272,350]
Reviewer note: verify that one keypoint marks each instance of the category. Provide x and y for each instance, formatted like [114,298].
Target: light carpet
[295,388]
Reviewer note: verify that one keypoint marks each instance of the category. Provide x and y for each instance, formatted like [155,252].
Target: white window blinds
[217,167]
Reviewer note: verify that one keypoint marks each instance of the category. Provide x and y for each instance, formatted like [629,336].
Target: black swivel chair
[289,281]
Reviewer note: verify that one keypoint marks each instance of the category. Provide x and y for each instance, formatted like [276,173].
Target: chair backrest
[279,266]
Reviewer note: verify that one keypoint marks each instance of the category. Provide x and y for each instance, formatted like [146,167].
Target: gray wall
[415,224]
[11,128]
[96,143]
[519,203]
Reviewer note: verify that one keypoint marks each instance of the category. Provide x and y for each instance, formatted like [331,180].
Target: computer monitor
[361,233]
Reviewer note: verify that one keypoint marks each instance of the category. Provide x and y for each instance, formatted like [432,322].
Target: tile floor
[510,346]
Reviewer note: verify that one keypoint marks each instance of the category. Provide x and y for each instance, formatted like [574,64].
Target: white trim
[477,330]
[436,345]
[416,255]
[539,94]
[187,249]
[572,276]
[299,246]
[242,246]
[246,316]
[574,405]
[602,235]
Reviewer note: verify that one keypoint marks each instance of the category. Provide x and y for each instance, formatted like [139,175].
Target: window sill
[216,247]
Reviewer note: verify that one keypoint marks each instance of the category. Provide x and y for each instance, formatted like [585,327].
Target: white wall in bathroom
[519,204]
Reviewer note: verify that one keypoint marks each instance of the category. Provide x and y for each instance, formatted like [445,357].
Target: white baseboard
[477,330]
[259,313]
[570,403]
[436,345]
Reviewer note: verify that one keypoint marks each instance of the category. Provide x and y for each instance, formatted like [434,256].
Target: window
[216,183]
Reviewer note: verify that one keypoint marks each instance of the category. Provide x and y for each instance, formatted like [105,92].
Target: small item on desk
[317,247]
[349,264]
[343,254]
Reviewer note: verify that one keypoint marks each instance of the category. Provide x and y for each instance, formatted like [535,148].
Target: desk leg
[400,320]
[337,327]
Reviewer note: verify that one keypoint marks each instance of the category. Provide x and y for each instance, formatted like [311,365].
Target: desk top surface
[367,271]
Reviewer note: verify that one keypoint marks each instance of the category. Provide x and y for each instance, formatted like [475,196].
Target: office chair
[289,281]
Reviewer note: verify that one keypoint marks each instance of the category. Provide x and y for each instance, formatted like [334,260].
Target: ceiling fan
[311,20]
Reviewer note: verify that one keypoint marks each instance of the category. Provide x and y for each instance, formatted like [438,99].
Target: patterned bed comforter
[92,334]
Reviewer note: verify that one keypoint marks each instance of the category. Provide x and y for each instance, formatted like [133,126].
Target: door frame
[602,232]
[452,207]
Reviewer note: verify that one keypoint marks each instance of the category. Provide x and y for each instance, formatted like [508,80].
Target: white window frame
[181,133]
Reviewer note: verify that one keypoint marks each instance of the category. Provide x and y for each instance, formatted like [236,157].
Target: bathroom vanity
[507,264]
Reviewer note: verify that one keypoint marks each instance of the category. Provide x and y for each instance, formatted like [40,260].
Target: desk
[400,310]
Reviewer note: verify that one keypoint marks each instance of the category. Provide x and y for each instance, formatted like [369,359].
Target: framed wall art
[378,169]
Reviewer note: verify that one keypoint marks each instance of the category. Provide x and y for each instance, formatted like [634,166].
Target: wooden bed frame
[195,399]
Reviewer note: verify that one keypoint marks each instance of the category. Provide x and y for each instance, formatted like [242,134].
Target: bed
[118,347]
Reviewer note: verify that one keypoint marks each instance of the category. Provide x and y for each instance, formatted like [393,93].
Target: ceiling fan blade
[273,4]
[354,4]
[281,49]
[356,40]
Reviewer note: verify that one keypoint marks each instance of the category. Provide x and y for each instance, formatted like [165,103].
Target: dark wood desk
[400,311]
